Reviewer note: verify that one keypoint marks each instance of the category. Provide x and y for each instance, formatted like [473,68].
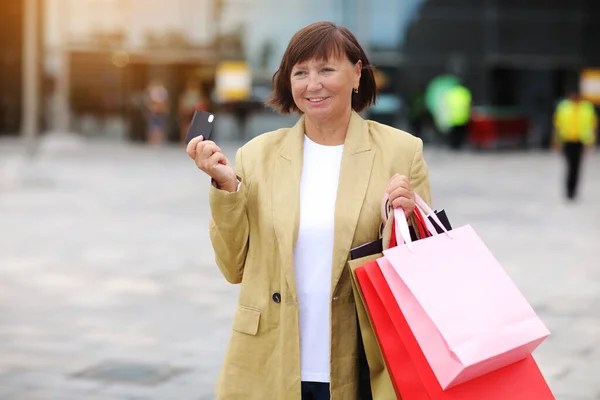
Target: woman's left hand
[400,194]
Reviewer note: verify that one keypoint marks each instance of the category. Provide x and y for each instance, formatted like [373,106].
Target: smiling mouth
[316,100]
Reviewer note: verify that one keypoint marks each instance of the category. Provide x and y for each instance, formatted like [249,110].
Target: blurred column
[30,65]
[63,78]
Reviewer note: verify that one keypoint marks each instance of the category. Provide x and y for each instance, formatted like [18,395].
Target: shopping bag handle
[401,224]
[430,213]
[401,229]
[419,221]
[387,212]
[427,224]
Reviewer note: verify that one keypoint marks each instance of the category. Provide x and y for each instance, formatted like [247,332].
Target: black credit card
[202,124]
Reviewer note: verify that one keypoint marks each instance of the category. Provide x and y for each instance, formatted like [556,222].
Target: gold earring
[355,90]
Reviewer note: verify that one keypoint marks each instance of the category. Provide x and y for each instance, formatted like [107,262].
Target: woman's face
[323,89]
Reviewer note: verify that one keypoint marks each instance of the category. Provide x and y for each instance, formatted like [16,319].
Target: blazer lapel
[286,199]
[355,172]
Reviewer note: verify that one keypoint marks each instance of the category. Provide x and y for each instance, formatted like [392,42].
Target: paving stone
[49,381]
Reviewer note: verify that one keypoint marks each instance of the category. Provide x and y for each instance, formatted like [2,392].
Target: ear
[358,72]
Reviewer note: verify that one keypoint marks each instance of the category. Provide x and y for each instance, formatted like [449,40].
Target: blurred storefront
[107,86]
[102,55]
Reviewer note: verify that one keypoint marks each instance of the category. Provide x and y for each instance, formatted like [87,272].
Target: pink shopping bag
[467,315]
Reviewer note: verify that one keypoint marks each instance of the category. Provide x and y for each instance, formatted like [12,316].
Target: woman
[156,110]
[285,219]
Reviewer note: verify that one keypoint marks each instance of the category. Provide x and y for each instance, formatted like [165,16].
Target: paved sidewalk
[106,269]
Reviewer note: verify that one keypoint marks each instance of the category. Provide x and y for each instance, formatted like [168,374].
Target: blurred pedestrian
[190,100]
[458,109]
[575,125]
[284,221]
[417,111]
[156,111]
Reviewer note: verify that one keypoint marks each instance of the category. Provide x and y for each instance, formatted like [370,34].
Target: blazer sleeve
[229,227]
[419,174]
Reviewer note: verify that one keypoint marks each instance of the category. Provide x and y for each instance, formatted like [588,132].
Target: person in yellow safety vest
[575,124]
[458,103]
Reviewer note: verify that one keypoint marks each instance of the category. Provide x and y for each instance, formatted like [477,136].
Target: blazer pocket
[246,320]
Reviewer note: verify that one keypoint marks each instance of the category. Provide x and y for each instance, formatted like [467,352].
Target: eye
[298,73]
[328,69]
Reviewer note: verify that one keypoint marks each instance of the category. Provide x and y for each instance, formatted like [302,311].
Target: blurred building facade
[523,55]
[100,54]
[513,55]
[112,49]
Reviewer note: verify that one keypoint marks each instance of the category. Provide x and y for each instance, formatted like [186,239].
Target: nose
[314,82]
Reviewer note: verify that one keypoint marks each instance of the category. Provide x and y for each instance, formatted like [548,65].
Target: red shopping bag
[412,376]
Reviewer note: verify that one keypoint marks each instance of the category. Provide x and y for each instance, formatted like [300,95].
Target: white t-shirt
[313,256]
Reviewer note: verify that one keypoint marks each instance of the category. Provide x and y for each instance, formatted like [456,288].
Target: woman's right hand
[210,159]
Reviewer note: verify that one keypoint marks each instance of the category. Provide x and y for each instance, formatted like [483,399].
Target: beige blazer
[254,230]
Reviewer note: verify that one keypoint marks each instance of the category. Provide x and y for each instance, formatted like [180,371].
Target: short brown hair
[321,40]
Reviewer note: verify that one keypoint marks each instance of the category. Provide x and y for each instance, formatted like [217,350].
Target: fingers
[206,149]
[399,186]
[216,159]
[406,204]
[209,158]
[198,145]
[401,194]
[398,181]
[191,146]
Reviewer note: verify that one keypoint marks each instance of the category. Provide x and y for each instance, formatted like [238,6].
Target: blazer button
[277,297]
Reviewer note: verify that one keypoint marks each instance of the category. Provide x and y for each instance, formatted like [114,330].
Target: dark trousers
[315,391]
[457,136]
[573,154]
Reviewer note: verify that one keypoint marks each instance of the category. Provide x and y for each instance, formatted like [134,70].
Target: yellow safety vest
[576,122]
[458,101]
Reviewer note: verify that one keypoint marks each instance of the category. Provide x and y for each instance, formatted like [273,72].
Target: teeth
[317,99]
